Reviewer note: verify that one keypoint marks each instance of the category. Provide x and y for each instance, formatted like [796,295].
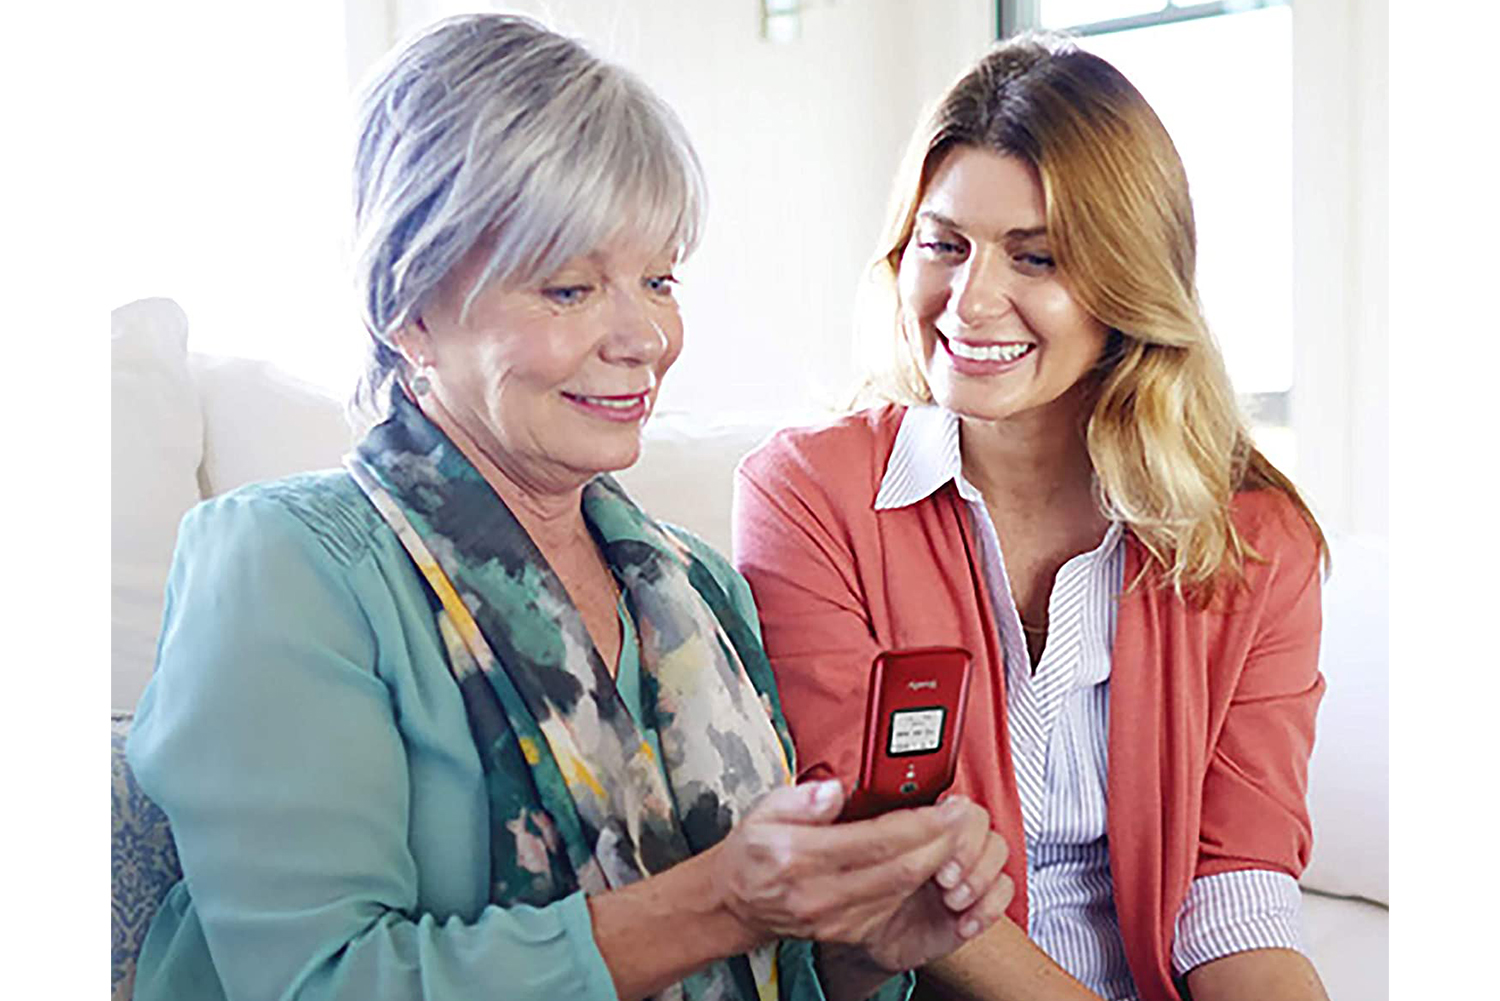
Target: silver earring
[421,383]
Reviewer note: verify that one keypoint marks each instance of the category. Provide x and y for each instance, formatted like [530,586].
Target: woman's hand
[865,891]
[967,895]
[787,870]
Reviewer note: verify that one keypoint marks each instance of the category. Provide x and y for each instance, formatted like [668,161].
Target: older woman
[462,721]
[1057,479]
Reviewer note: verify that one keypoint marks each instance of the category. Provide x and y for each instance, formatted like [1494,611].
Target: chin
[968,399]
[612,460]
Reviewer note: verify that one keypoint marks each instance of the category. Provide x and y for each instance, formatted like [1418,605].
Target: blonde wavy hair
[1168,443]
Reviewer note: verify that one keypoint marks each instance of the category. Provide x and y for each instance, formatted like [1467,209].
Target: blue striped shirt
[1059,725]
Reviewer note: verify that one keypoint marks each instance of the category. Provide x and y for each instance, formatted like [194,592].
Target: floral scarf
[577,797]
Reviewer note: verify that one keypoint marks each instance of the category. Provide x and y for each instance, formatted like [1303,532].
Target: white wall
[1340,398]
[225,169]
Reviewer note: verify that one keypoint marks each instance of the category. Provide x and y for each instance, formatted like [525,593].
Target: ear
[414,341]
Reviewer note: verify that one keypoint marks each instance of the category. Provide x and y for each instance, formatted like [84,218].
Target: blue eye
[661,284]
[566,295]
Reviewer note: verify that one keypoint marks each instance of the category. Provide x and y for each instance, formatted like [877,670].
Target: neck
[551,513]
[1034,459]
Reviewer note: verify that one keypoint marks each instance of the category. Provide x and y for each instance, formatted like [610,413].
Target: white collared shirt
[1059,725]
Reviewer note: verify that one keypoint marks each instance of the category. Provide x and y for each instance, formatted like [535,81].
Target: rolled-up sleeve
[274,747]
[1236,912]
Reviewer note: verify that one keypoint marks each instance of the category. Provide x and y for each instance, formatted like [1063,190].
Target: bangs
[625,171]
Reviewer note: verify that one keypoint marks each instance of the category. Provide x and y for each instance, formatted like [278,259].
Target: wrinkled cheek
[501,405]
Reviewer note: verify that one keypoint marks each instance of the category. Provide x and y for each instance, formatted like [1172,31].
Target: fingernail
[959,898]
[968,929]
[953,806]
[825,791]
[948,875]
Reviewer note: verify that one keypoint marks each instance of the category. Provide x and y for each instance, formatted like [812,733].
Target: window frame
[1019,15]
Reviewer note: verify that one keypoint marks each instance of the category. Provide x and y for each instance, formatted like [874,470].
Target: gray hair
[492,127]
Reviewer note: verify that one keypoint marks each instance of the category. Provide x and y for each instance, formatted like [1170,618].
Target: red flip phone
[913,724]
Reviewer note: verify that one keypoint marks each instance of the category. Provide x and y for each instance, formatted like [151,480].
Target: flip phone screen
[916,731]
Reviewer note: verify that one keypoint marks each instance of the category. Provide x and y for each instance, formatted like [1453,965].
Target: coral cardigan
[1211,711]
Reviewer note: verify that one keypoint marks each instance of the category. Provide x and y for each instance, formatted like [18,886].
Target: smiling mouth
[610,402]
[627,408]
[969,357]
[1000,353]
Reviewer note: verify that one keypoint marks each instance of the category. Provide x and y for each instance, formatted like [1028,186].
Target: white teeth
[992,352]
[612,402]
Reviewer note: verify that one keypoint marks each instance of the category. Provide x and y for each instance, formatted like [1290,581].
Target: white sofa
[188,427]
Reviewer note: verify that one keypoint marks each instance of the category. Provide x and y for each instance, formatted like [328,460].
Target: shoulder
[1284,562]
[1271,524]
[843,439]
[324,513]
[849,451]
[277,565]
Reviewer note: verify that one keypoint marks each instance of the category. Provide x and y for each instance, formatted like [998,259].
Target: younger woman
[1057,479]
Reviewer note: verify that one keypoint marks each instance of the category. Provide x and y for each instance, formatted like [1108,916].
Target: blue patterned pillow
[144,862]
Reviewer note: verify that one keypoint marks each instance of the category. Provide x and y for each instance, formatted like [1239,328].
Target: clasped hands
[898,890]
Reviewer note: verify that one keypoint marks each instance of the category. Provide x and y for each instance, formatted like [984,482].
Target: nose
[635,335]
[981,288]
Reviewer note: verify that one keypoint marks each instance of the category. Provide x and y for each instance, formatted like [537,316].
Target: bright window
[1072,13]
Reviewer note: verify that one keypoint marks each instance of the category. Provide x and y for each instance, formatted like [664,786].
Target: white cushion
[261,423]
[156,445]
[685,475]
[1348,783]
[1348,942]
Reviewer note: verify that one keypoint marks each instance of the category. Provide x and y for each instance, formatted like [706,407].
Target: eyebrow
[1018,233]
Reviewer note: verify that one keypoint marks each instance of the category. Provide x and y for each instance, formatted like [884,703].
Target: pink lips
[624,409]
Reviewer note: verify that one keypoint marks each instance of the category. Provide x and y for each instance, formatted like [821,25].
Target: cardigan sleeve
[789,545]
[275,749]
[1255,789]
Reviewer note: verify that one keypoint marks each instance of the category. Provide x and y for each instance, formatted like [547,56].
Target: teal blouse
[306,740]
